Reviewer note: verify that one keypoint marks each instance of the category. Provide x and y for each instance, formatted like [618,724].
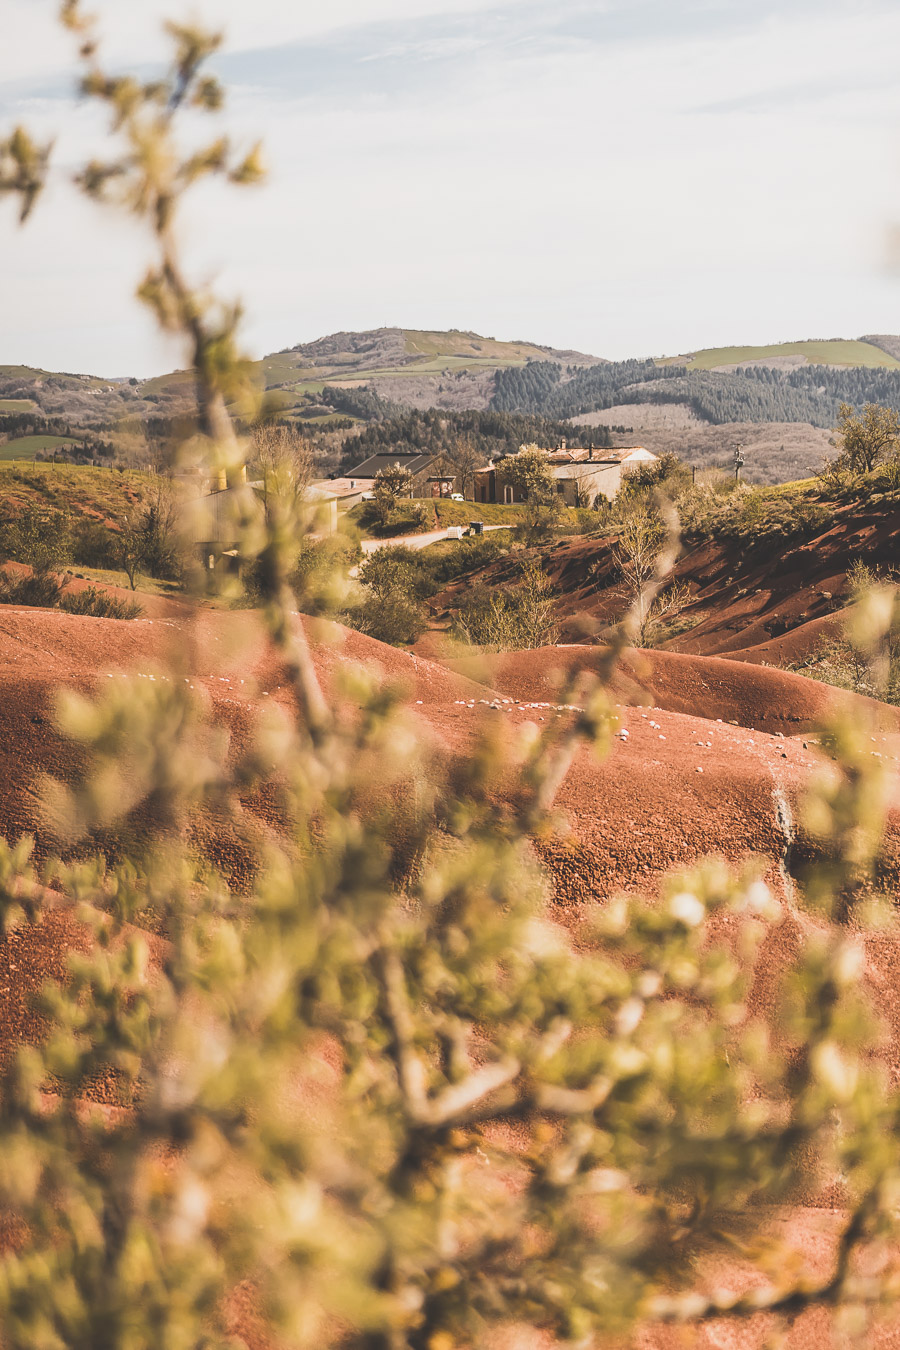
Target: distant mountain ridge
[403,347]
[344,381]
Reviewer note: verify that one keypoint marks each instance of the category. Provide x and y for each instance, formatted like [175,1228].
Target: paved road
[417,540]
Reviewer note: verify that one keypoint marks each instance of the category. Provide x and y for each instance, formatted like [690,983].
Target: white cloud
[528,173]
[35,45]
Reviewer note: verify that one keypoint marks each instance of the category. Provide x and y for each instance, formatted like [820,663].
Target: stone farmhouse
[429,476]
[581,475]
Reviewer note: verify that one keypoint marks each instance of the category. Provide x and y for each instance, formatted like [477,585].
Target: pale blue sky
[629,178]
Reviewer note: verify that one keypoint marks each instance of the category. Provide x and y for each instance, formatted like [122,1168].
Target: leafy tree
[38,537]
[464,457]
[870,436]
[148,539]
[391,483]
[375,1091]
[530,472]
[284,458]
[130,546]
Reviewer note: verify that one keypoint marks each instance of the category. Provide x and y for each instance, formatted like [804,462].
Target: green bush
[447,561]
[585,520]
[383,520]
[398,568]
[41,590]
[393,585]
[99,604]
[391,617]
[40,538]
[316,575]
[44,590]
[666,474]
[95,544]
[510,618]
[752,514]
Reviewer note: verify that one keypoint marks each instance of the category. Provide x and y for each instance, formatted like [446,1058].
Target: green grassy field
[20,372]
[825,353]
[177,380]
[104,576]
[435,366]
[460,513]
[26,447]
[16,405]
[322,420]
[77,488]
[468,345]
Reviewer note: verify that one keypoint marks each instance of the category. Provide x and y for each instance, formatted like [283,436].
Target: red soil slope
[728,690]
[680,785]
[767,601]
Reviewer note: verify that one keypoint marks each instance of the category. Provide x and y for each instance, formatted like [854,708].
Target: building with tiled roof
[582,475]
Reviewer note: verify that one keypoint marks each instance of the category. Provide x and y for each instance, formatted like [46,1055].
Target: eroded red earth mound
[711,756]
[765,600]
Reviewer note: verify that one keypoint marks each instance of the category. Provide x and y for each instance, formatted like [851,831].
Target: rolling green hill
[81,490]
[348,382]
[419,362]
[827,352]
[26,447]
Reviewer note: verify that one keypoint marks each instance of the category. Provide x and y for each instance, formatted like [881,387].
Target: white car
[457,497]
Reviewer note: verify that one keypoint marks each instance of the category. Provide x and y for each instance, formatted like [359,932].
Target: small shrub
[456,558]
[398,569]
[39,538]
[96,603]
[94,544]
[39,591]
[408,518]
[391,617]
[583,520]
[318,576]
[667,473]
[753,514]
[393,585]
[539,523]
[842,660]
[44,590]
[511,618]
[665,619]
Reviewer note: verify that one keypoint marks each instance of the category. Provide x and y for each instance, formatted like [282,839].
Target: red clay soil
[718,689]
[680,785]
[744,595]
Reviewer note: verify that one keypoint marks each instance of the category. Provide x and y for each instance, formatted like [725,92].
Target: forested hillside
[487,433]
[749,394]
[352,394]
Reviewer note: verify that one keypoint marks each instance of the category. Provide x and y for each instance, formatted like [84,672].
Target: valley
[779,402]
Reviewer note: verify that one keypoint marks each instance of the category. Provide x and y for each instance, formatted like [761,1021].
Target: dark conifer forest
[749,394]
